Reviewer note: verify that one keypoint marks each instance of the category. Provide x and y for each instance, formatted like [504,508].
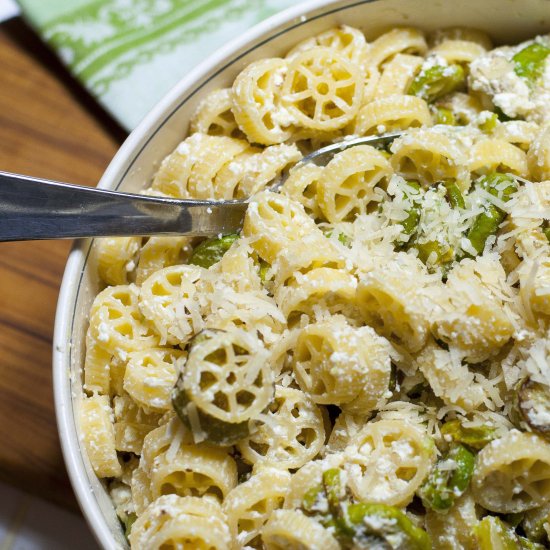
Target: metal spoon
[34,209]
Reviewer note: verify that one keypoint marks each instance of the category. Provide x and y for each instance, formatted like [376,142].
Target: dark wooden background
[51,128]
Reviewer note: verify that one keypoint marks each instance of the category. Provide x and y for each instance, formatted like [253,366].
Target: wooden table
[49,127]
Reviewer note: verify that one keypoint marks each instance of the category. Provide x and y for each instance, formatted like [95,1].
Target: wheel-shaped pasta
[150,376]
[132,424]
[388,461]
[398,75]
[472,316]
[193,470]
[346,40]
[512,474]
[333,362]
[538,156]
[98,435]
[256,102]
[272,221]
[347,184]
[457,51]
[449,378]
[430,156]
[397,303]
[301,186]
[495,155]
[292,530]
[172,523]
[225,384]
[167,300]
[289,434]
[116,323]
[249,505]
[322,90]
[214,115]
[405,40]
[455,529]
[392,113]
[160,252]
[116,257]
[321,289]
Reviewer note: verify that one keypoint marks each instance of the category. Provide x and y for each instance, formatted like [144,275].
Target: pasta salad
[367,364]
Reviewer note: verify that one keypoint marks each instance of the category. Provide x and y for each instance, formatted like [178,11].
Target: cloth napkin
[129,53]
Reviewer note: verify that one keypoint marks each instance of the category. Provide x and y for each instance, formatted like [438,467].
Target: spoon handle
[33,209]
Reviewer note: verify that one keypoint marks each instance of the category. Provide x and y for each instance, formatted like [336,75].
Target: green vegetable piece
[410,223]
[383,525]
[489,123]
[487,223]
[128,523]
[437,81]
[312,500]
[444,116]
[475,438]
[526,544]
[454,196]
[445,484]
[529,62]
[264,268]
[211,251]
[335,490]
[534,405]
[444,253]
[546,230]
[493,534]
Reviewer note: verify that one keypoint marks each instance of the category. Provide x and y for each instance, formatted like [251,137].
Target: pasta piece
[395,299]
[97,367]
[172,522]
[398,75]
[430,156]
[457,51]
[389,114]
[301,186]
[321,289]
[97,430]
[518,132]
[494,155]
[461,33]
[150,376]
[334,363]
[538,156]
[473,317]
[116,257]
[131,424]
[272,221]
[189,171]
[141,490]
[347,184]
[347,41]
[290,433]
[292,530]
[193,470]
[387,462]
[512,474]
[249,505]
[449,379]
[116,327]
[405,40]
[167,300]
[160,252]
[322,90]
[214,115]
[257,102]
[455,529]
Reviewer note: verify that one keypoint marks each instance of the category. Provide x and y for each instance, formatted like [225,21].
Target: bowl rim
[183,90]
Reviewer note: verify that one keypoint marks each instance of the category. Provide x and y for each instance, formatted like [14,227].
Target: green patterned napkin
[129,53]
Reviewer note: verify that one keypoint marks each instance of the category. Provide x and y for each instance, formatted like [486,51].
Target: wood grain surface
[51,128]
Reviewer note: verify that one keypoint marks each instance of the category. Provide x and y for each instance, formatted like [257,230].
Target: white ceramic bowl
[505,20]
